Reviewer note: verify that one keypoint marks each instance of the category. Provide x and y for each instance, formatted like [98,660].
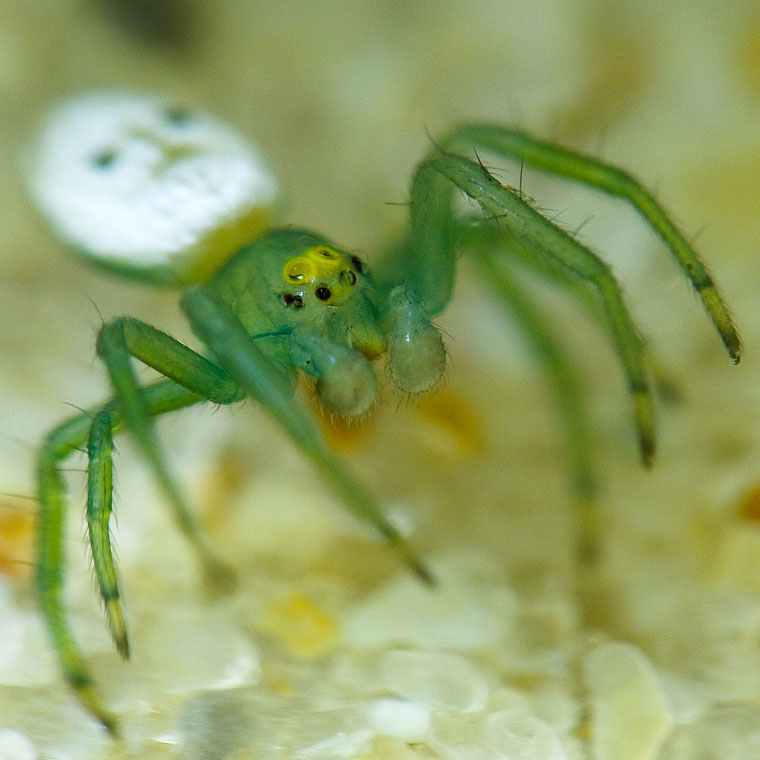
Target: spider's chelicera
[291,301]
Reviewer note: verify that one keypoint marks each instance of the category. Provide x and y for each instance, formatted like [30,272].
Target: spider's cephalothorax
[169,199]
[312,307]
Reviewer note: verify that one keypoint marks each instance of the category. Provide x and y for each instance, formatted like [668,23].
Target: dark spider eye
[358,265]
[323,293]
[294,301]
[348,276]
[104,159]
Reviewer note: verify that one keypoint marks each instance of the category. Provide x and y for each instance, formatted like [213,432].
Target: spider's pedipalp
[416,354]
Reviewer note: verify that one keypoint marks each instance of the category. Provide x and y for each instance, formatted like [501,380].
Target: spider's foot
[415,564]
[723,322]
[92,702]
[118,627]
[644,412]
[588,530]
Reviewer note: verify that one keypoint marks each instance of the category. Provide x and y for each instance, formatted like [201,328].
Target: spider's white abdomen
[144,187]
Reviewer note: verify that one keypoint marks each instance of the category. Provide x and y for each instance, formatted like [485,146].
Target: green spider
[171,196]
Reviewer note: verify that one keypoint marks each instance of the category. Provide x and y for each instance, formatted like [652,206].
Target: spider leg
[492,249]
[99,508]
[609,179]
[67,438]
[476,232]
[433,228]
[218,327]
[557,368]
[124,338]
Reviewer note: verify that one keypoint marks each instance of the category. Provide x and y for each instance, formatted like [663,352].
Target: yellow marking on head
[299,271]
[316,263]
[326,259]
[330,271]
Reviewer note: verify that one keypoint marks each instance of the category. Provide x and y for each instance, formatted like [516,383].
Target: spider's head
[331,290]
[321,270]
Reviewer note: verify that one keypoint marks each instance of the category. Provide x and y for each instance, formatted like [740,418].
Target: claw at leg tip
[91,700]
[645,427]
[424,574]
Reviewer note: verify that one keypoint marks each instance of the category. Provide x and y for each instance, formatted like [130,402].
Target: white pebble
[16,746]
[503,735]
[461,613]
[442,681]
[730,731]
[188,652]
[521,736]
[402,718]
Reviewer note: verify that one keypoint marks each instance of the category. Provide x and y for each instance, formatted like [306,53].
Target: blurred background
[344,97]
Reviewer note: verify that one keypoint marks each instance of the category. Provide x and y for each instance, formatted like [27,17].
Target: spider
[171,196]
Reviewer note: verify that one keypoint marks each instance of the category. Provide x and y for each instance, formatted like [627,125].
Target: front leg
[69,437]
[216,324]
[124,338]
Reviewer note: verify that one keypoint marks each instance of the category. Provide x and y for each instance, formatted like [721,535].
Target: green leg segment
[95,430]
[609,179]
[432,190]
[565,388]
[122,339]
[496,254]
[99,508]
[219,328]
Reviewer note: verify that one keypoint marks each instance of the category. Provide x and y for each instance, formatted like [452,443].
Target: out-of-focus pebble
[215,724]
[25,658]
[738,559]
[502,735]
[188,654]
[16,746]
[462,613]
[723,732]
[402,718]
[302,628]
[520,736]
[442,681]
[629,714]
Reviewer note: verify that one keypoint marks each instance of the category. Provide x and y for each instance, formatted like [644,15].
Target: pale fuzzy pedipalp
[416,354]
[345,380]
[135,183]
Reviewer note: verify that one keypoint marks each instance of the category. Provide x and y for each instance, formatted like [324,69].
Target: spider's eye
[294,301]
[358,264]
[323,293]
[299,269]
[325,259]
[104,158]
[348,277]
